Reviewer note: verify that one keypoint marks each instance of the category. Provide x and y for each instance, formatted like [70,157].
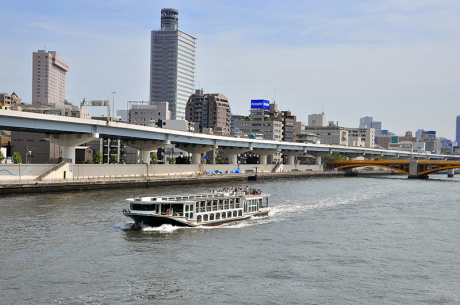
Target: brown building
[7,101]
[408,137]
[210,110]
[383,141]
[289,126]
[34,149]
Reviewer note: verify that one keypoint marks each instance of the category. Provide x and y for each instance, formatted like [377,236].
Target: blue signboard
[260,104]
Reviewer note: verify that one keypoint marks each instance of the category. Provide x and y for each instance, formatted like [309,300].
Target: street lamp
[113,102]
[41,99]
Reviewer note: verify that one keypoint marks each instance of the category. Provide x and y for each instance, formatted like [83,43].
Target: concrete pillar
[263,159]
[233,158]
[196,157]
[233,152]
[263,153]
[68,152]
[196,150]
[291,154]
[69,141]
[145,147]
[450,173]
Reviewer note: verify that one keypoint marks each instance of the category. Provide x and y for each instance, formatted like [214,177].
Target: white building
[48,78]
[318,120]
[361,137]
[172,64]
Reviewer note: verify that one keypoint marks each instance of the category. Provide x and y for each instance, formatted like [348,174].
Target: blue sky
[397,61]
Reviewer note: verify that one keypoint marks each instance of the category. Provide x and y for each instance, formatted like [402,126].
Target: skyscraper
[457,129]
[172,64]
[48,78]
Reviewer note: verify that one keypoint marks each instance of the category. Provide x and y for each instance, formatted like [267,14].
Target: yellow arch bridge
[413,168]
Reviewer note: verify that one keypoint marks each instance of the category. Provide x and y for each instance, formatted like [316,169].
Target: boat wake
[166,228]
[123,226]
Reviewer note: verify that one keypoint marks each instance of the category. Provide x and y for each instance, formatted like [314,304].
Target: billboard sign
[394,139]
[260,104]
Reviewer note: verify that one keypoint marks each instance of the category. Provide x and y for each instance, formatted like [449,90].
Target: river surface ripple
[386,240]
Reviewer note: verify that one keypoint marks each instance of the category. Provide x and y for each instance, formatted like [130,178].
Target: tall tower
[457,129]
[172,64]
[48,78]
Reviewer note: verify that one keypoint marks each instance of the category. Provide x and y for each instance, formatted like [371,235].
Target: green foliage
[172,160]
[210,161]
[90,161]
[333,157]
[97,159]
[220,161]
[2,156]
[113,159]
[154,159]
[17,158]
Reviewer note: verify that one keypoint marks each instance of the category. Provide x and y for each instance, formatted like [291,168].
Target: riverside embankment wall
[66,185]
[16,172]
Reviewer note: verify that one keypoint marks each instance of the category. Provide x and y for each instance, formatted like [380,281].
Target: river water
[384,240]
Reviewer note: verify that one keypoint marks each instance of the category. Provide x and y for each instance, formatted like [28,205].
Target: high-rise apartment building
[48,78]
[172,64]
[209,110]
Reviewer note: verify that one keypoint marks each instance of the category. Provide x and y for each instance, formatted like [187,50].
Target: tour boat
[207,209]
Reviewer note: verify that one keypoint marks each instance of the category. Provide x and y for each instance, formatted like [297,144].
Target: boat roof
[194,197]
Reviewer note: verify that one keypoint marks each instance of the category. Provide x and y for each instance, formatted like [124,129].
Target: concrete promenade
[93,183]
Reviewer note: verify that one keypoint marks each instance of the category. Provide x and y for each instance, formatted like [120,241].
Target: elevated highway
[70,132]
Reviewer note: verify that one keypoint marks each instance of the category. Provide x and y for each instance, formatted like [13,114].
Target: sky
[397,61]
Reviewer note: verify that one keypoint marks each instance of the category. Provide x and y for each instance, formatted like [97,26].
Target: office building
[209,110]
[141,113]
[368,122]
[361,137]
[317,120]
[172,64]
[457,130]
[48,78]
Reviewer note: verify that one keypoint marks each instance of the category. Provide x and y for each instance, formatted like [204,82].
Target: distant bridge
[413,168]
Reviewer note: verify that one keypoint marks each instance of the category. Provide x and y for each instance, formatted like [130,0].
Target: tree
[2,156]
[113,159]
[172,160]
[333,157]
[220,161]
[97,159]
[17,158]
[154,159]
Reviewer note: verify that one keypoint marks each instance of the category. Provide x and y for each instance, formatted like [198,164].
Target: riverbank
[148,181]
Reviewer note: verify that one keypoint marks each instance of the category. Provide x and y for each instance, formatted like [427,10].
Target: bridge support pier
[291,154]
[69,141]
[263,153]
[450,173]
[233,153]
[145,147]
[196,150]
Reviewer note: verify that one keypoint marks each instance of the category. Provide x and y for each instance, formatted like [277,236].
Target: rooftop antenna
[45,48]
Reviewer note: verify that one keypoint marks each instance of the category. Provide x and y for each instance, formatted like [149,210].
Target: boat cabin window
[240,213]
[217,216]
[226,205]
[235,213]
[214,205]
[211,217]
[198,218]
[205,217]
[143,207]
[224,215]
